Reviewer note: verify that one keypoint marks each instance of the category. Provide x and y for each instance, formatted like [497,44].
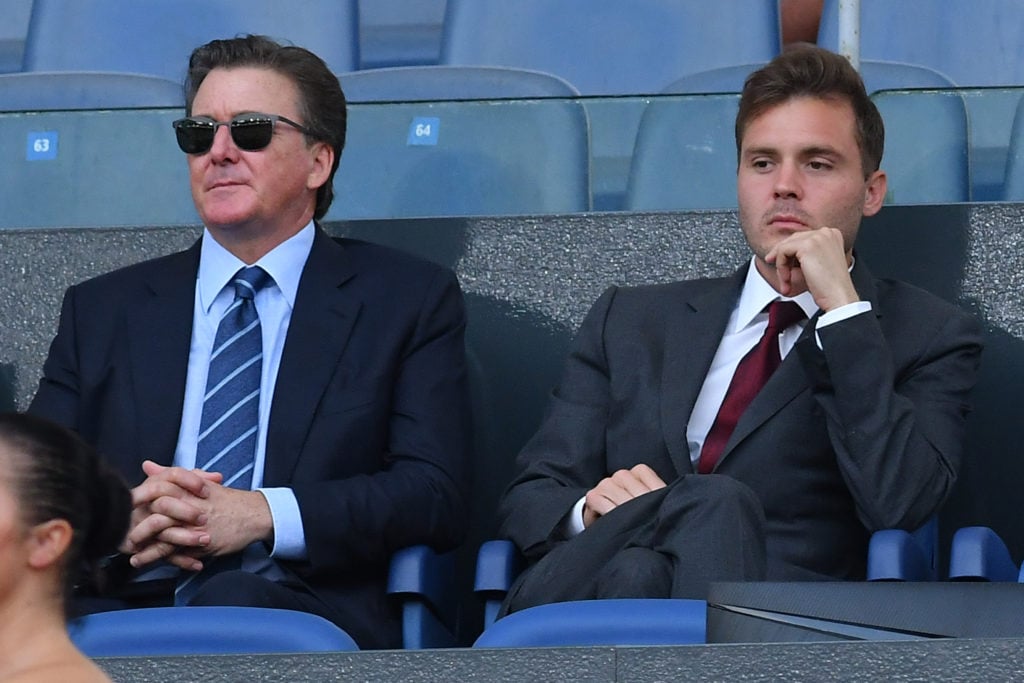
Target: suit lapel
[790,380]
[321,323]
[159,341]
[693,333]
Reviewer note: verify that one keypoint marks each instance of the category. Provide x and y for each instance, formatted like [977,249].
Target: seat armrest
[498,563]
[979,554]
[424,581]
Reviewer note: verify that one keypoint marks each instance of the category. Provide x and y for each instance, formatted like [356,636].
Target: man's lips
[226,182]
[784,220]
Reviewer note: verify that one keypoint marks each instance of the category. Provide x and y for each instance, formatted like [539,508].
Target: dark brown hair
[804,70]
[56,475]
[322,102]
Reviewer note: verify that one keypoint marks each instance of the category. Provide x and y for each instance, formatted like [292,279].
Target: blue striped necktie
[229,427]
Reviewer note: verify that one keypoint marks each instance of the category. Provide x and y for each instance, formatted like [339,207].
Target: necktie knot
[248,281]
[782,314]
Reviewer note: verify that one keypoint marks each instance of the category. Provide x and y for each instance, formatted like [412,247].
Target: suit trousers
[669,543]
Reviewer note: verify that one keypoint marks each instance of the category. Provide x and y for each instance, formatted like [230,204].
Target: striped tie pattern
[229,427]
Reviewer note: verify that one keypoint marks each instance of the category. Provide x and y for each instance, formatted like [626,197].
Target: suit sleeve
[418,495]
[566,457]
[58,392]
[897,432]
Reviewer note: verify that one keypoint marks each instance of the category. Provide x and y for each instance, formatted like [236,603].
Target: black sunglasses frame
[195,134]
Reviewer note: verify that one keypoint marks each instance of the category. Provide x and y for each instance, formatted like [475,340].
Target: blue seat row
[424,584]
[602,46]
[106,168]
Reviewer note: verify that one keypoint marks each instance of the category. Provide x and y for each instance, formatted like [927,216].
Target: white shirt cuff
[289,536]
[839,314]
[572,525]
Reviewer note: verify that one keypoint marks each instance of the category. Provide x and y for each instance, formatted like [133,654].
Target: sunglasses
[250,132]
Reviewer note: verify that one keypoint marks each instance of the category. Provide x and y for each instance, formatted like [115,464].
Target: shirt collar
[284,263]
[757,294]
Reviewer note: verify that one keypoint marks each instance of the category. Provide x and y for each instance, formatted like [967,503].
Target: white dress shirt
[274,304]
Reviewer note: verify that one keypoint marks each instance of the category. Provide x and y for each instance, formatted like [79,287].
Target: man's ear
[48,542]
[874,193]
[323,160]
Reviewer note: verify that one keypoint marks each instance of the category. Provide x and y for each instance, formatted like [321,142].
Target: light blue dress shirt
[274,303]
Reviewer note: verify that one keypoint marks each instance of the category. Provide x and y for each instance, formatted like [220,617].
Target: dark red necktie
[751,375]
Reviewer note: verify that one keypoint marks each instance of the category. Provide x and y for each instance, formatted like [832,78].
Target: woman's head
[73,510]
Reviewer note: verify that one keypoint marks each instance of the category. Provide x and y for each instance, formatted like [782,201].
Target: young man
[674,453]
[292,409]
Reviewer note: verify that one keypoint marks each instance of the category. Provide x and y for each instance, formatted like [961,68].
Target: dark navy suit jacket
[369,420]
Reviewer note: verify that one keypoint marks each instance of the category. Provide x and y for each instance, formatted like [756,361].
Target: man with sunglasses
[291,409]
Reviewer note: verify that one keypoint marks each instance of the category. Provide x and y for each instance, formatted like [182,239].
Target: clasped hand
[181,516]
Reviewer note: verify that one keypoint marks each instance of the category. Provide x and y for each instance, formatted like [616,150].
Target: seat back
[165,631]
[53,90]
[973,43]
[877,76]
[399,32]
[464,158]
[93,169]
[606,47]
[156,37]
[927,157]
[685,155]
[1013,184]
[447,82]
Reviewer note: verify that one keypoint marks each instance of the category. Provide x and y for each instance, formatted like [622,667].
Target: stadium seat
[55,90]
[93,169]
[893,555]
[433,83]
[973,43]
[423,582]
[1013,186]
[977,553]
[897,555]
[12,34]
[685,155]
[399,32]
[877,76]
[156,37]
[610,47]
[927,157]
[622,622]
[463,158]
[165,631]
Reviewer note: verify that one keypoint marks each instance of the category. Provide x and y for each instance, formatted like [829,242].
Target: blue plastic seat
[1013,184]
[399,32]
[93,169]
[445,82]
[622,622]
[463,158]
[606,47]
[927,156]
[897,555]
[164,631]
[973,43]
[977,553]
[156,36]
[55,90]
[685,155]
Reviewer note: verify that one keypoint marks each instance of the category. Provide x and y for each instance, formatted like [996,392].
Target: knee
[635,573]
[235,588]
[712,495]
